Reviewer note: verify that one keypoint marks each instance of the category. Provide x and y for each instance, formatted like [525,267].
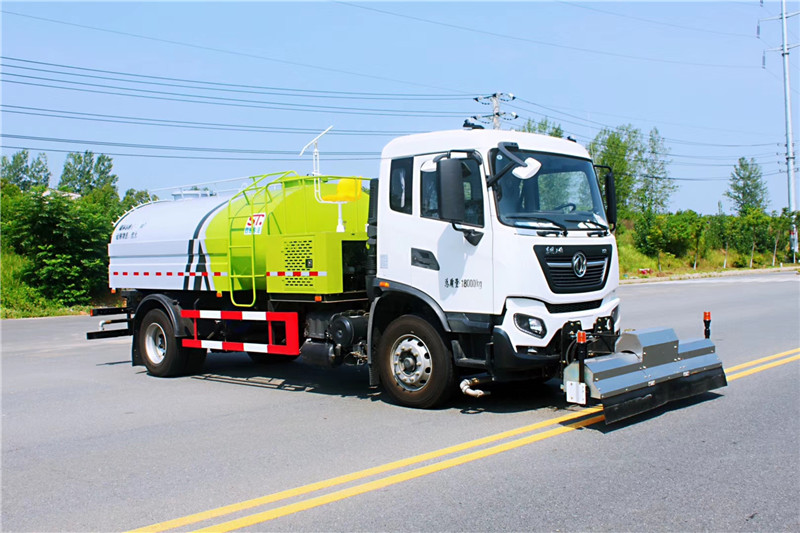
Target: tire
[158,346]
[269,358]
[414,363]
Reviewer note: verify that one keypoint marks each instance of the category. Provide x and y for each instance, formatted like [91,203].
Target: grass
[20,300]
[632,261]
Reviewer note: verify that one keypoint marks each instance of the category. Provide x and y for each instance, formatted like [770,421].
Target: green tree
[751,233]
[779,228]
[65,240]
[134,197]
[544,127]
[24,174]
[83,172]
[654,188]
[747,189]
[720,232]
[622,150]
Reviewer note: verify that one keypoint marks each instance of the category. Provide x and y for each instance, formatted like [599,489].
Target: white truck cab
[505,237]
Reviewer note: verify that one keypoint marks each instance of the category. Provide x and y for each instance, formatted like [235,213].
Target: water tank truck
[475,257]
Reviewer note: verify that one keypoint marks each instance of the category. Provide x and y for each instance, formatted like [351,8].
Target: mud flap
[649,369]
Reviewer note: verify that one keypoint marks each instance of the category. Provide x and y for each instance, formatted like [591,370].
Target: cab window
[400,185]
[473,193]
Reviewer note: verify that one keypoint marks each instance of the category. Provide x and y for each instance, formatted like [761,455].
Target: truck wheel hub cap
[155,343]
[411,363]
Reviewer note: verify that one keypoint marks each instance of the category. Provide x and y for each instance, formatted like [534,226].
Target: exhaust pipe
[468,384]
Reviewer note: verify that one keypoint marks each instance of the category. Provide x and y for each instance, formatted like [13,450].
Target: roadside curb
[702,275]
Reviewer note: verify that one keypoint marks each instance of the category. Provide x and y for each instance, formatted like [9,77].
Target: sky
[181,93]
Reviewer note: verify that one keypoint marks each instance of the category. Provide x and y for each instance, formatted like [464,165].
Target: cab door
[443,264]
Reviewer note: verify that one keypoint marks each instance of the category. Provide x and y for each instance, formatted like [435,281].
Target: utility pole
[784,50]
[494,100]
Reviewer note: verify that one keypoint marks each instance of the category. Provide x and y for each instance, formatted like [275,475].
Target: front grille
[573,307]
[556,262]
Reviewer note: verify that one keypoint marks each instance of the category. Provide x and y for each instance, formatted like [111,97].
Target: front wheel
[415,365]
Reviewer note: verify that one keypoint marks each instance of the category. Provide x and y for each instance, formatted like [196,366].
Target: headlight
[531,324]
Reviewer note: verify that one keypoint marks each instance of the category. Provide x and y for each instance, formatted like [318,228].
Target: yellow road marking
[381,469]
[764,367]
[759,361]
[417,472]
[395,479]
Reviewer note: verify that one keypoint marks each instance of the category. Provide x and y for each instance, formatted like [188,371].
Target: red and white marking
[292,346]
[296,274]
[171,274]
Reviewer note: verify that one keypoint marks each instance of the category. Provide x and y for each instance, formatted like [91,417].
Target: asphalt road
[90,443]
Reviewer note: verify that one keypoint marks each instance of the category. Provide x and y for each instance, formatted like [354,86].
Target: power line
[96,117]
[229,104]
[200,158]
[221,50]
[604,125]
[657,22]
[143,121]
[285,106]
[701,179]
[542,43]
[167,147]
[233,87]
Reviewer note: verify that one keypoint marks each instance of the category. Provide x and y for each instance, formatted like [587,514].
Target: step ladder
[256,199]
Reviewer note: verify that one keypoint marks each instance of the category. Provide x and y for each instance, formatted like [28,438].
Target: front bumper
[514,351]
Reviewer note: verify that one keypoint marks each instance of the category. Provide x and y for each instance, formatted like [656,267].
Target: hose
[466,388]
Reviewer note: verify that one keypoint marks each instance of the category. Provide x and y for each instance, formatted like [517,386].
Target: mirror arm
[494,179]
[514,161]
[473,237]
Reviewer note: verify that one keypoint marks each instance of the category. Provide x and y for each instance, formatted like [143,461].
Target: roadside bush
[65,241]
[17,298]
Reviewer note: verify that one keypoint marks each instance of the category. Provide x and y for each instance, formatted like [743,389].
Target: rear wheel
[161,351]
[415,365]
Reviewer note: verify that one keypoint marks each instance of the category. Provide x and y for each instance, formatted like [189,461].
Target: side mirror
[611,200]
[451,190]
[531,168]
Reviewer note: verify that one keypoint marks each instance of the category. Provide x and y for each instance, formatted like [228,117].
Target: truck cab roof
[483,140]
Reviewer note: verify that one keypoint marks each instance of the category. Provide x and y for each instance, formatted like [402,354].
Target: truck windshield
[564,193]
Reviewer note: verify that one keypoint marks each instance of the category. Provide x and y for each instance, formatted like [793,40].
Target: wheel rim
[155,343]
[411,363]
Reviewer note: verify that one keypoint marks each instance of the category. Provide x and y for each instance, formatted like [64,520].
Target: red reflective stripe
[231,315]
[297,273]
[313,273]
[217,273]
[181,273]
[135,273]
[192,343]
[158,273]
[233,346]
[169,273]
[145,273]
[190,313]
[116,273]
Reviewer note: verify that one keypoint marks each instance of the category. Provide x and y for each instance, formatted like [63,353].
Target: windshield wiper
[562,229]
[603,228]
